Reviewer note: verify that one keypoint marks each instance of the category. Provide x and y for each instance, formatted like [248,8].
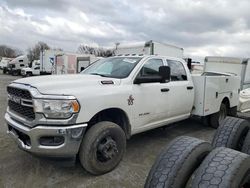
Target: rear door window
[178,72]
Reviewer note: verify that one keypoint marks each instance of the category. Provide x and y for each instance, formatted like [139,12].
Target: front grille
[20,102]
[25,111]
[24,94]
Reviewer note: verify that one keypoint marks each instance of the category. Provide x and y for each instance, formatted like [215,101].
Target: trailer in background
[150,48]
[60,62]
[71,63]
[238,66]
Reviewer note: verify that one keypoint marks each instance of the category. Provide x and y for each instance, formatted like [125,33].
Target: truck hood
[67,84]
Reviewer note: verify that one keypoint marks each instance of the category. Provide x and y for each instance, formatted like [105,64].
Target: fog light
[76,132]
[51,140]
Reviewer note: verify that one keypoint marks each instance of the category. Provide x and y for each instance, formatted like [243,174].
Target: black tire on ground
[174,166]
[206,120]
[231,133]
[217,118]
[102,148]
[14,73]
[246,144]
[4,70]
[233,111]
[223,168]
[28,74]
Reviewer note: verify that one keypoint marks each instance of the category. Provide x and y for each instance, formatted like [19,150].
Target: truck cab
[15,66]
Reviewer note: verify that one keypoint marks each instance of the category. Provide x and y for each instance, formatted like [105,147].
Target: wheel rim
[107,149]
[223,114]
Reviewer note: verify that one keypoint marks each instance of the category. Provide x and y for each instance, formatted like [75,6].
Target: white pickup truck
[93,113]
[33,70]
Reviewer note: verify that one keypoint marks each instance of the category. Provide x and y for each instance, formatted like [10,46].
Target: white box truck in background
[150,48]
[238,66]
[47,61]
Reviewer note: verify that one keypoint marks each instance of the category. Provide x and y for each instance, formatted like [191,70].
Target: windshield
[114,67]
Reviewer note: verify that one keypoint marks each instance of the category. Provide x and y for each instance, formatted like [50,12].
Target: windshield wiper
[102,75]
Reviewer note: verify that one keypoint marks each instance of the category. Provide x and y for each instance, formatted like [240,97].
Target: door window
[178,72]
[151,67]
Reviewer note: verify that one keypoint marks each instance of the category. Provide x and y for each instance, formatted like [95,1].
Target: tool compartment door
[211,90]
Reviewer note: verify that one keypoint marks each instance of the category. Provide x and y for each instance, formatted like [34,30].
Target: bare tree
[34,52]
[6,51]
[101,52]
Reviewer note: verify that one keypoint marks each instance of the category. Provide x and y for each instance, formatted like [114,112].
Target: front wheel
[102,148]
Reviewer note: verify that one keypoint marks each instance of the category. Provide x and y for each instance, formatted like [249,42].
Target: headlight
[56,109]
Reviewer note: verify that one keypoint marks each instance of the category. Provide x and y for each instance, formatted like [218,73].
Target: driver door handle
[190,87]
[164,90]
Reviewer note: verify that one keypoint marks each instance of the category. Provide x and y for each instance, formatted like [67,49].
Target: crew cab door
[181,90]
[150,104]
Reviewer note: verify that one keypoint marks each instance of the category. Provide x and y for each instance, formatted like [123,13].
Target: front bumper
[32,139]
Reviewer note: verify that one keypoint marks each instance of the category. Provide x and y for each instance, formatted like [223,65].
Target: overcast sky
[201,27]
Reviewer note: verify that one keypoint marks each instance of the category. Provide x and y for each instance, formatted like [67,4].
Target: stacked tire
[194,163]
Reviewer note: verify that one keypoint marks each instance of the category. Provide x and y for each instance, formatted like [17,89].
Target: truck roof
[18,58]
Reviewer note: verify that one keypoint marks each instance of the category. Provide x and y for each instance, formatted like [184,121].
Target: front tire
[102,148]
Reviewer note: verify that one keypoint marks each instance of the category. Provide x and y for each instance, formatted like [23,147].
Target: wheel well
[114,115]
[226,102]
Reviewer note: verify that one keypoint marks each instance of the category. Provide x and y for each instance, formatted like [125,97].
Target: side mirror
[163,77]
[147,79]
[164,72]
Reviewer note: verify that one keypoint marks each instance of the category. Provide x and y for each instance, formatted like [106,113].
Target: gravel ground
[20,169]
